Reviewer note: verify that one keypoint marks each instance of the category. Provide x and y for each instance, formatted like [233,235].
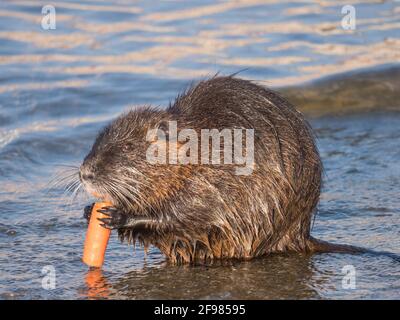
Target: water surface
[59,87]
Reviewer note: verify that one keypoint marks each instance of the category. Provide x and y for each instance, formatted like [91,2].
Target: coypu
[205,212]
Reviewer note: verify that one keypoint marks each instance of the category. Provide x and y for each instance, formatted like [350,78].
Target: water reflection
[97,286]
[265,278]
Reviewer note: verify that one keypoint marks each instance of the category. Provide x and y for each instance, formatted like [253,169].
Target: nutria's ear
[164,126]
[158,132]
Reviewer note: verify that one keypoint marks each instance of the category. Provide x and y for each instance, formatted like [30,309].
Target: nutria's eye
[127,147]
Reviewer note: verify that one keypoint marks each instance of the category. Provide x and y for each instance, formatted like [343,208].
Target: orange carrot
[96,238]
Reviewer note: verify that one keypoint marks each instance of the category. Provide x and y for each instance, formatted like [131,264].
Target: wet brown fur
[207,212]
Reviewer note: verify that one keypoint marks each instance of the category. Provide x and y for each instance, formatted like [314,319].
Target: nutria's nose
[85,174]
[88,176]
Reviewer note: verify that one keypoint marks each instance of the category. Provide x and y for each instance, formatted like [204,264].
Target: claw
[105,212]
[112,218]
[105,220]
[108,209]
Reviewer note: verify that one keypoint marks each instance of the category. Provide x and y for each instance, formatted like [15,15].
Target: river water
[59,87]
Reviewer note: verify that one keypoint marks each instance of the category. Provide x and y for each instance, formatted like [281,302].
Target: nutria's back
[208,211]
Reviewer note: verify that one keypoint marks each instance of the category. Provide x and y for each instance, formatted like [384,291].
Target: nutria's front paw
[87,212]
[114,219]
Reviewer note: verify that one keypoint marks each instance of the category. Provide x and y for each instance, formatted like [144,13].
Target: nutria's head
[117,169]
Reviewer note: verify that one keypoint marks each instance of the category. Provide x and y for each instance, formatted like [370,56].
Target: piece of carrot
[96,238]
